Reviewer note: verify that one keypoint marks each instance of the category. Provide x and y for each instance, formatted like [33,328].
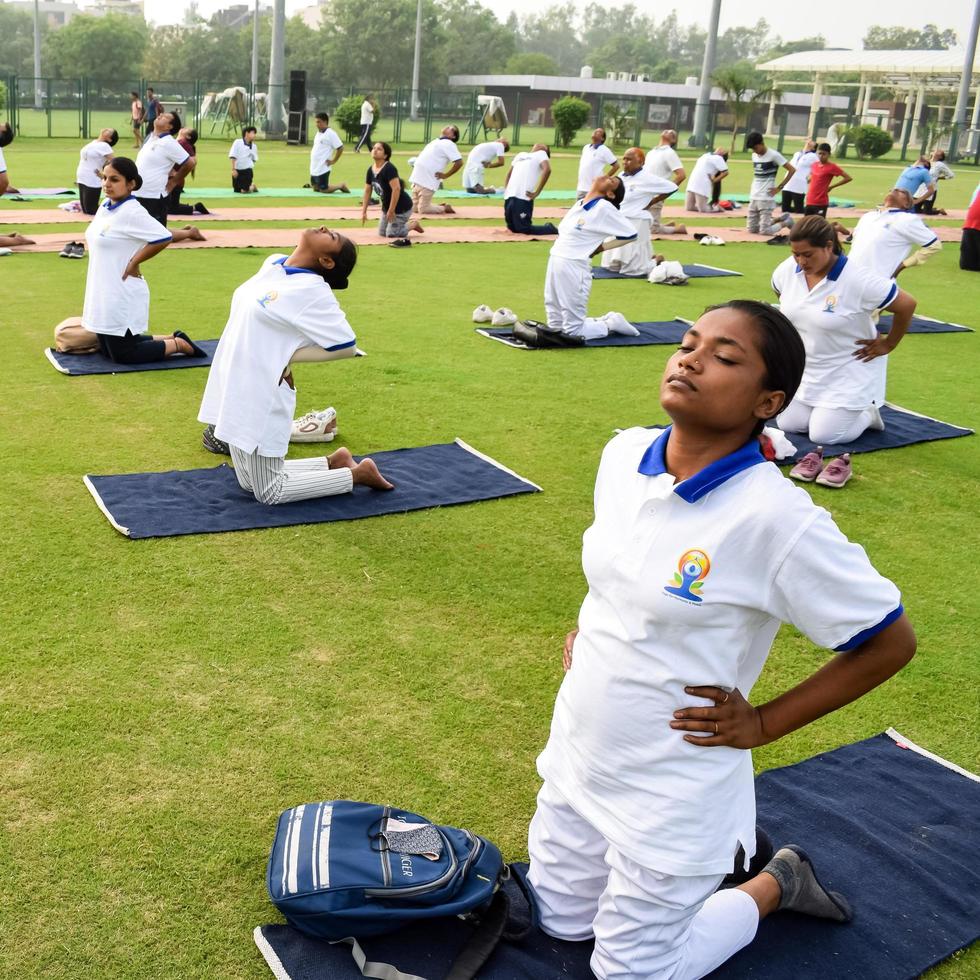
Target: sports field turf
[163,700]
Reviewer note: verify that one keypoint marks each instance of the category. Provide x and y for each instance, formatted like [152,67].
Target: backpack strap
[375,970]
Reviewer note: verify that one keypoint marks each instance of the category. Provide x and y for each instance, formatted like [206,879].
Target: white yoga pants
[274,480]
[634,258]
[646,924]
[825,426]
[567,284]
[658,227]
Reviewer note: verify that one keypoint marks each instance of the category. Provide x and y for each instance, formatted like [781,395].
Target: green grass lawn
[35,162]
[164,699]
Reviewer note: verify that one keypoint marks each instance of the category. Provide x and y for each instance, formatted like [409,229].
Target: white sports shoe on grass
[504,317]
[482,314]
[315,427]
[712,240]
[617,323]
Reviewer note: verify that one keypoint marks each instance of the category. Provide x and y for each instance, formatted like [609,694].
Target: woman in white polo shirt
[831,301]
[121,237]
[250,400]
[699,551]
[92,158]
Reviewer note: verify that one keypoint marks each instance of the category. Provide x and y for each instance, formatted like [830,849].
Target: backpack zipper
[385,859]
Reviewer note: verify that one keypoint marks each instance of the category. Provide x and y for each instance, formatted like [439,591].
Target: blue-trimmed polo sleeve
[828,589]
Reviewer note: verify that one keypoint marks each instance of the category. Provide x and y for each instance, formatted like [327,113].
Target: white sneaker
[482,314]
[504,317]
[617,323]
[315,427]
[712,240]
[6,251]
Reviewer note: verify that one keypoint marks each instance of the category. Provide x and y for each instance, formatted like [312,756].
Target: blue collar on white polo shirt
[835,270]
[589,205]
[654,463]
[292,269]
[109,206]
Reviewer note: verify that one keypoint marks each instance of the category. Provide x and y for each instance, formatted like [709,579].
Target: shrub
[869,141]
[570,115]
[347,115]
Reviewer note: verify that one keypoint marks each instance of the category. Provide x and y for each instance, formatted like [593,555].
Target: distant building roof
[901,63]
[614,87]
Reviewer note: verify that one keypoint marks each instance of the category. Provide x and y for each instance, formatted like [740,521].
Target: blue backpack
[341,870]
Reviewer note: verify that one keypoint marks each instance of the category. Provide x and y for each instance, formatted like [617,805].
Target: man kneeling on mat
[250,398]
[592,225]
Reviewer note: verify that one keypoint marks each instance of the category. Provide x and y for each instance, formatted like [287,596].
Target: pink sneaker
[836,473]
[808,468]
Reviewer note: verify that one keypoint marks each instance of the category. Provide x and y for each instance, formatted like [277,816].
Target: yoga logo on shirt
[270,297]
[830,304]
[692,569]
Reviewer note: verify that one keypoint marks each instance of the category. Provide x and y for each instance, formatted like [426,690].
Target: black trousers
[793,203]
[139,348]
[927,205]
[156,207]
[88,197]
[820,209]
[242,182]
[365,137]
[970,250]
[174,205]
[519,214]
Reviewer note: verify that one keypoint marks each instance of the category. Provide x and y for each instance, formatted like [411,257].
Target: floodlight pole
[413,112]
[274,125]
[959,113]
[699,136]
[255,57]
[38,85]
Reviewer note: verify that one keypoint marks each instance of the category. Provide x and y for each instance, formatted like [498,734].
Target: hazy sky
[842,22]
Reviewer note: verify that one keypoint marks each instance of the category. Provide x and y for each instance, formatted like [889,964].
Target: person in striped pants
[287,306]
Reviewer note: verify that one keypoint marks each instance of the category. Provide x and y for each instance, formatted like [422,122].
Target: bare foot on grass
[367,474]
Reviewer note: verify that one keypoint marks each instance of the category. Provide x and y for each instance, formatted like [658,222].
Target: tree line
[371,46]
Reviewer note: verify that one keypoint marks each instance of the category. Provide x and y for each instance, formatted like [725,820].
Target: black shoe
[400,243]
[213,444]
[536,334]
[195,350]
[779,240]
[199,208]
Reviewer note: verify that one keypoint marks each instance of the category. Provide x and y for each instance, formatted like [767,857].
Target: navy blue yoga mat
[651,332]
[923,324]
[691,271]
[159,505]
[79,364]
[902,428]
[890,827]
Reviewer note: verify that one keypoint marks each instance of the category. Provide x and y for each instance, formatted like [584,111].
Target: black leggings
[970,250]
[138,348]
[174,205]
[793,203]
[88,197]
[242,182]
[519,214]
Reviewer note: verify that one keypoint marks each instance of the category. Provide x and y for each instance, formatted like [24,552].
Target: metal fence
[81,107]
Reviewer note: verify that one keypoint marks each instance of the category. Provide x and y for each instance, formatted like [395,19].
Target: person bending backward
[6,138]
[244,154]
[92,158]
[831,301]
[437,162]
[794,190]
[396,206]
[709,171]
[591,226]
[762,194]
[699,551]
[596,159]
[287,306]
[662,161]
[641,188]
[187,141]
[526,179]
[938,170]
[918,181]
[326,150]
[483,156]
[121,237]
[162,163]
[822,174]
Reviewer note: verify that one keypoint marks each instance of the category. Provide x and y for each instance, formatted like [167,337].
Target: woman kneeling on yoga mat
[250,400]
[699,550]
[120,238]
